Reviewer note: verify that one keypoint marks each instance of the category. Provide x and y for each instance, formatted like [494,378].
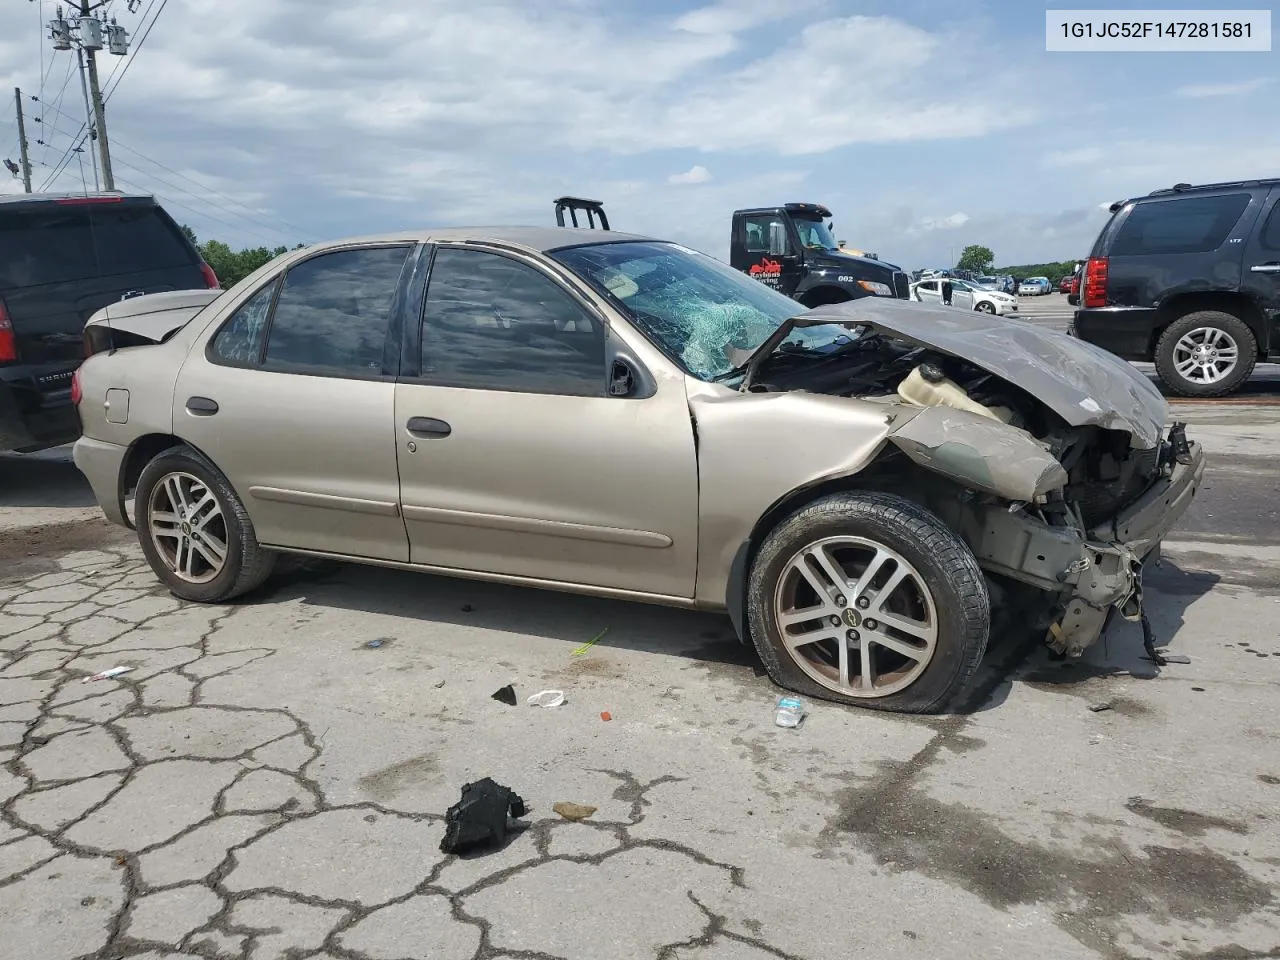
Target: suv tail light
[8,342]
[77,392]
[1095,282]
[210,278]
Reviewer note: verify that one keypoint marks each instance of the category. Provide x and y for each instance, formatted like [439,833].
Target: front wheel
[1207,353]
[985,306]
[195,531]
[868,599]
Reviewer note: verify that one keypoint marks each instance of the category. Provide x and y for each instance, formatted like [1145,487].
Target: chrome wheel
[187,527]
[986,306]
[1205,355]
[856,616]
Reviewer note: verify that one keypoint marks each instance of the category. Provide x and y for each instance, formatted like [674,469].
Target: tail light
[1095,282]
[210,278]
[8,342]
[77,392]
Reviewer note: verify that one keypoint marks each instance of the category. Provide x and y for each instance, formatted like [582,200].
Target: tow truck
[789,248]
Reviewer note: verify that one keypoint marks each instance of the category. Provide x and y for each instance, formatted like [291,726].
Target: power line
[136,50]
[302,232]
[169,201]
[141,20]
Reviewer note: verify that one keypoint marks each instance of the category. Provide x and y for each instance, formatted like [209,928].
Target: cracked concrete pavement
[262,785]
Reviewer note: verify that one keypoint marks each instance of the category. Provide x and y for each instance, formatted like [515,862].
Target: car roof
[1178,189]
[18,199]
[540,239]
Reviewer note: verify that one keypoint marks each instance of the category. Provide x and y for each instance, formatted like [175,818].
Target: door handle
[1265,268]
[428,427]
[201,406]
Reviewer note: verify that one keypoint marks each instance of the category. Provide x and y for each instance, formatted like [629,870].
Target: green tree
[232,266]
[976,257]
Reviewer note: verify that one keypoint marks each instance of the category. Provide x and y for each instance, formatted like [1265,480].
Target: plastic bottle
[790,712]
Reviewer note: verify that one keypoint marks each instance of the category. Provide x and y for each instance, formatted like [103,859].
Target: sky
[923,125]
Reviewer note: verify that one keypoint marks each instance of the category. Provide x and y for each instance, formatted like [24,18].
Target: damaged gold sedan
[866,488]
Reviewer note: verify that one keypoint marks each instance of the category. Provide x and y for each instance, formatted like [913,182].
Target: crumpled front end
[1090,568]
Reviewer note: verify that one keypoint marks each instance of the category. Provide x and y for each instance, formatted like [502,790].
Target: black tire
[247,564]
[985,306]
[946,564]
[1232,326]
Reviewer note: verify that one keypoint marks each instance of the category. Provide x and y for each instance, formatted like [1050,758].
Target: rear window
[66,244]
[1185,225]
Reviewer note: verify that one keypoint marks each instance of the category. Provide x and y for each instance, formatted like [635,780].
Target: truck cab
[791,249]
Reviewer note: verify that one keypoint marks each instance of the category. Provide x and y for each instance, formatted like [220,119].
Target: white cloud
[951,222]
[696,174]
[737,16]
[1081,157]
[1223,89]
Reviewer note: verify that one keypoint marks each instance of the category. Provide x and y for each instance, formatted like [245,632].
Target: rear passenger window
[1184,225]
[47,246]
[1270,237]
[239,342]
[134,239]
[334,311]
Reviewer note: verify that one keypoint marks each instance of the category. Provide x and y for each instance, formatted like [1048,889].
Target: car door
[928,291]
[962,295]
[516,456]
[773,253]
[1260,278]
[292,395]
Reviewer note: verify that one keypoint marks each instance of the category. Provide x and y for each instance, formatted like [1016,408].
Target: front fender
[754,449]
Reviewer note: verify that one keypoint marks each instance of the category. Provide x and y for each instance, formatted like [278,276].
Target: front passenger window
[494,323]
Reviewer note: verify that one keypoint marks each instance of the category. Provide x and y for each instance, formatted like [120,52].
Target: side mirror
[622,381]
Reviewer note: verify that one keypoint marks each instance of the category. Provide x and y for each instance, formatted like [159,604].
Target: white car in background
[1035,287]
[966,295]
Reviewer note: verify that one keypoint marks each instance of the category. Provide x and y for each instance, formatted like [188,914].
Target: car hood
[1083,384]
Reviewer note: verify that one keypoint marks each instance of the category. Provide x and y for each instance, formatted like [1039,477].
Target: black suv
[62,257]
[1188,277]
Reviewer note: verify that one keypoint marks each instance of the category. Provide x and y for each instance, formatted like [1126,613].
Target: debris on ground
[107,674]
[376,644]
[790,712]
[1176,658]
[1104,705]
[439,684]
[467,608]
[590,643]
[506,695]
[573,811]
[547,698]
[480,817]
[606,715]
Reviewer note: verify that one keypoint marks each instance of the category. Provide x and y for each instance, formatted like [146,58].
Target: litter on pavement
[107,674]
[790,712]
[590,643]
[547,698]
[573,811]
[506,695]
[480,817]
[606,715]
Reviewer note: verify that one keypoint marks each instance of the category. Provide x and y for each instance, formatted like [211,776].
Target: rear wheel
[195,531]
[1207,353]
[869,599]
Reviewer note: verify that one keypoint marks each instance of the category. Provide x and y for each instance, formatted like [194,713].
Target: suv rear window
[1182,225]
[65,244]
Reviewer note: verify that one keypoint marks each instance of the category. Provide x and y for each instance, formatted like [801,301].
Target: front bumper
[1091,572]
[101,463]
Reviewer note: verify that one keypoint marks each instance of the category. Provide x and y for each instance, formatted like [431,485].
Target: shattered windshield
[696,307]
[814,235]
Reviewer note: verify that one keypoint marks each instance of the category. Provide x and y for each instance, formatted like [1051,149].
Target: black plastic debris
[480,818]
[506,695]
[1104,705]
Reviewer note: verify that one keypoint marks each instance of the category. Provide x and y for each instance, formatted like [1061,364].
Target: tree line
[232,266]
[981,259]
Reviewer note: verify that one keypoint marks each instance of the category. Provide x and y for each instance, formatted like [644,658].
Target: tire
[942,578]
[985,306]
[1206,327]
[222,520]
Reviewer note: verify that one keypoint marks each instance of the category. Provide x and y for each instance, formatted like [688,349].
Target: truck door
[1261,275]
[766,249]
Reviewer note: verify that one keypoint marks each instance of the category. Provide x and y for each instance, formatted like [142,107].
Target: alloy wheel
[187,527]
[856,616]
[1205,355]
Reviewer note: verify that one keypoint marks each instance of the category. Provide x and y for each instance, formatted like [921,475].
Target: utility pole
[89,33]
[22,142]
[89,119]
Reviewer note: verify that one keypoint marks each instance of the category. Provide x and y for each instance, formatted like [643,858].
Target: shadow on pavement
[44,479]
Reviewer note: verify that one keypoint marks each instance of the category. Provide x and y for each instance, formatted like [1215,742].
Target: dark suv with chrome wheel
[1189,278]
